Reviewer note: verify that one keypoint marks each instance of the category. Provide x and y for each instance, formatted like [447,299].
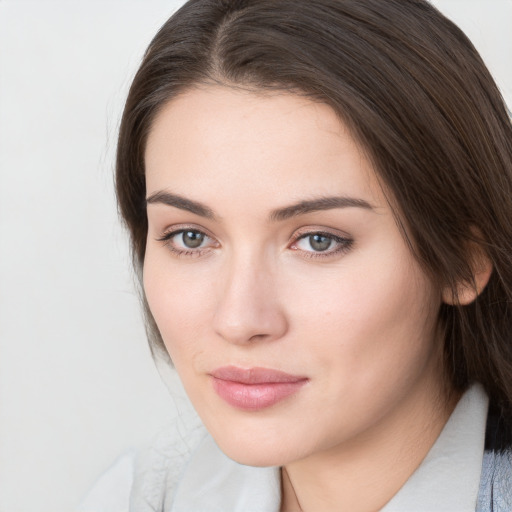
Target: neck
[365,472]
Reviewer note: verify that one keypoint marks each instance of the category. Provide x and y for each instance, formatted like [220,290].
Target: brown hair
[416,95]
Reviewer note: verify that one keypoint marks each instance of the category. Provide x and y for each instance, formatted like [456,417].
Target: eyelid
[319,230]
[178,228]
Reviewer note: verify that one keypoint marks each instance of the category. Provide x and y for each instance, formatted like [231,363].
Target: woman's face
[294,312]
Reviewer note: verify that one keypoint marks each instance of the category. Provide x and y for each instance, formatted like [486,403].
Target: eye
[317,244]
[188,242]
[189,239]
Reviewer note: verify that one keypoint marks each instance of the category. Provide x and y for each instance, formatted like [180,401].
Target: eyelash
[344,244]
[166,238]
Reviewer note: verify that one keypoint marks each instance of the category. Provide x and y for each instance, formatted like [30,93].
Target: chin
[253,457]
[255,450]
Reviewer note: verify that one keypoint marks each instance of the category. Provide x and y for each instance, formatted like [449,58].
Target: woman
[318,196]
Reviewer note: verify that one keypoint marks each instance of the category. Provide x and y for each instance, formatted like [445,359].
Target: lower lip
[253,397]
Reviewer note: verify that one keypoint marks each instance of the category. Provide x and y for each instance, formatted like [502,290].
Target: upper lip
[254,375]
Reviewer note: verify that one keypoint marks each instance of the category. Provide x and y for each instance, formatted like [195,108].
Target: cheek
[368,338]
[180,302]
[372,318]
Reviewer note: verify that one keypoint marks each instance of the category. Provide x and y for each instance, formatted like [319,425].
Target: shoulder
[111,493]
[160,465]
[496,482]
[495,492]
[145,479]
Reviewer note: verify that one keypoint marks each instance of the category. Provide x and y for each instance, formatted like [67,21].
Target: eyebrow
[316,205]
[280,214]
[182,203]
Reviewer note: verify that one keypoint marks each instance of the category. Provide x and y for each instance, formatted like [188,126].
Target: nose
[248,308]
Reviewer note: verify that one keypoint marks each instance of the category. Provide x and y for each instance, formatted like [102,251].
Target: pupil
[319,242]
[192,239]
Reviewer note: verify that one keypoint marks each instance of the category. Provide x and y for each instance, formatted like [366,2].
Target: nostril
[254,325]
[258,337]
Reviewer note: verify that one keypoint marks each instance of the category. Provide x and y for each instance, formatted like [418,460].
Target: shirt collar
[214,483]
[446,481]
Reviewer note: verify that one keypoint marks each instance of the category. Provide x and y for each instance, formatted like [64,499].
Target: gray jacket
[495,494]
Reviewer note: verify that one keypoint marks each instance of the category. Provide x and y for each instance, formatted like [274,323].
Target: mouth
[254,388]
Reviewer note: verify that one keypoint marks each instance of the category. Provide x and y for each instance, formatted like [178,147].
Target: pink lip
[254,388]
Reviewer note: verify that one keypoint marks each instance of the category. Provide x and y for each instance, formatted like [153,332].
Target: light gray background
[77,384]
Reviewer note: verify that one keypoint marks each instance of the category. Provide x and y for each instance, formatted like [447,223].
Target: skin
[358,320]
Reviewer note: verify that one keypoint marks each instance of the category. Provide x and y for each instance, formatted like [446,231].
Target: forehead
[216,139]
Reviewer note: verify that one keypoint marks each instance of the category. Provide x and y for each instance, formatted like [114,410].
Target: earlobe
[467,292]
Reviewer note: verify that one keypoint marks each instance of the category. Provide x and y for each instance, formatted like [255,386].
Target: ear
[481,268]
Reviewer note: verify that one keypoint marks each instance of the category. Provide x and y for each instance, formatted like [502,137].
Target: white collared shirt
[198,477]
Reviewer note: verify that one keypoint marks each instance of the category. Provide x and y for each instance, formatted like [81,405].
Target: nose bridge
[248,305]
